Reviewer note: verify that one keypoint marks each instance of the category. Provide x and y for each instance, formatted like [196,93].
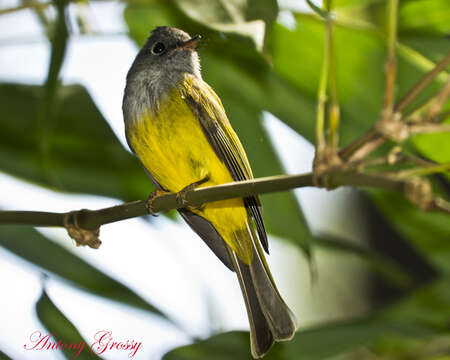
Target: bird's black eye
[158,48]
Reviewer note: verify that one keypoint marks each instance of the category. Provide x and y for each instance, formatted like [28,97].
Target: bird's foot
[181,195]
[154,195]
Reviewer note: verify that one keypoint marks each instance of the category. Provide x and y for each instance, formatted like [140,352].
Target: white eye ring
[158,48]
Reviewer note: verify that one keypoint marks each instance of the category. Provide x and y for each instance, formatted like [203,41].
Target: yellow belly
[173,148]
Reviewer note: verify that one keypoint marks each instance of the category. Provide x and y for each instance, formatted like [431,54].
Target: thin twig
[438,102]
[428,128]
[422,171]
[370,140]
[422,84]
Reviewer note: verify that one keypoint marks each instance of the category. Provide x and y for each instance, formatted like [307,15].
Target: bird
[177,127]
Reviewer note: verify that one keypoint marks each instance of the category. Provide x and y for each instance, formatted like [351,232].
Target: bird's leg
[155,194]
[181,200]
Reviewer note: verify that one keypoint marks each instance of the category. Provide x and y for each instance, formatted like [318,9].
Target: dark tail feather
[269,317]
[261,338]
[280,318]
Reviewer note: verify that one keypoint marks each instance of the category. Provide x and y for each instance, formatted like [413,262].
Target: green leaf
[30,245]
[428,307]
[433,48]
[429,232]
[62,331]
[340,337]
[424,16]
[360,57]
[434,146]
[83,154]
[248,18]
[321,342]
[231,345]
[45,111]
[3,356]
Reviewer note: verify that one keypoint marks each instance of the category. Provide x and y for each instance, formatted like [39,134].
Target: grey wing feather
[209,235]
[201,226]
[230,155]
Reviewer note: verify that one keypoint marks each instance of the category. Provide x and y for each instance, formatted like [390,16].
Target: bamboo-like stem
[323,82]
[333,113]
[322,99]
[391,66]
[93,219]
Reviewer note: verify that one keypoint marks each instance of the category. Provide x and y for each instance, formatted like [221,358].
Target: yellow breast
[173,148]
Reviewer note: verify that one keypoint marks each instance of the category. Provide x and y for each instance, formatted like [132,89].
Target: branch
[83,225]
[92,219]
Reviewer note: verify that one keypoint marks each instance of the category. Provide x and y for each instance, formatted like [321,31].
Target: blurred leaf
[61,329]
[258,90]
[30,245]
[425,16]
[434,146]
[248,18]
[59,37]
[429,232]
[231,345]
[360,56]
[428,307]
[356,3]
[3,356]
[317,343]
[398,347]
[83,153]
[432,47]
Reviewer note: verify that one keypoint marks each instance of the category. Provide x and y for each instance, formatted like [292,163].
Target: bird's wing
[201,226]
[208,109]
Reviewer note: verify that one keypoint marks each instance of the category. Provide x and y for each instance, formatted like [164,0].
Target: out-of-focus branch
[27,5]
[391,61]
[422,84]
[370,140]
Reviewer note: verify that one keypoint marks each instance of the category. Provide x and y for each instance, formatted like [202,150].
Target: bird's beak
[191,43]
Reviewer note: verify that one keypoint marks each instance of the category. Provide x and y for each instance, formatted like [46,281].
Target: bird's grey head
[161,64]
[170,50]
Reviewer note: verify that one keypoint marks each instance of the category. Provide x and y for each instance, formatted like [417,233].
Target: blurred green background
[374,269]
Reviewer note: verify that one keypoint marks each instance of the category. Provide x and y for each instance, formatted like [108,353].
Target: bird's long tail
[269,317]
